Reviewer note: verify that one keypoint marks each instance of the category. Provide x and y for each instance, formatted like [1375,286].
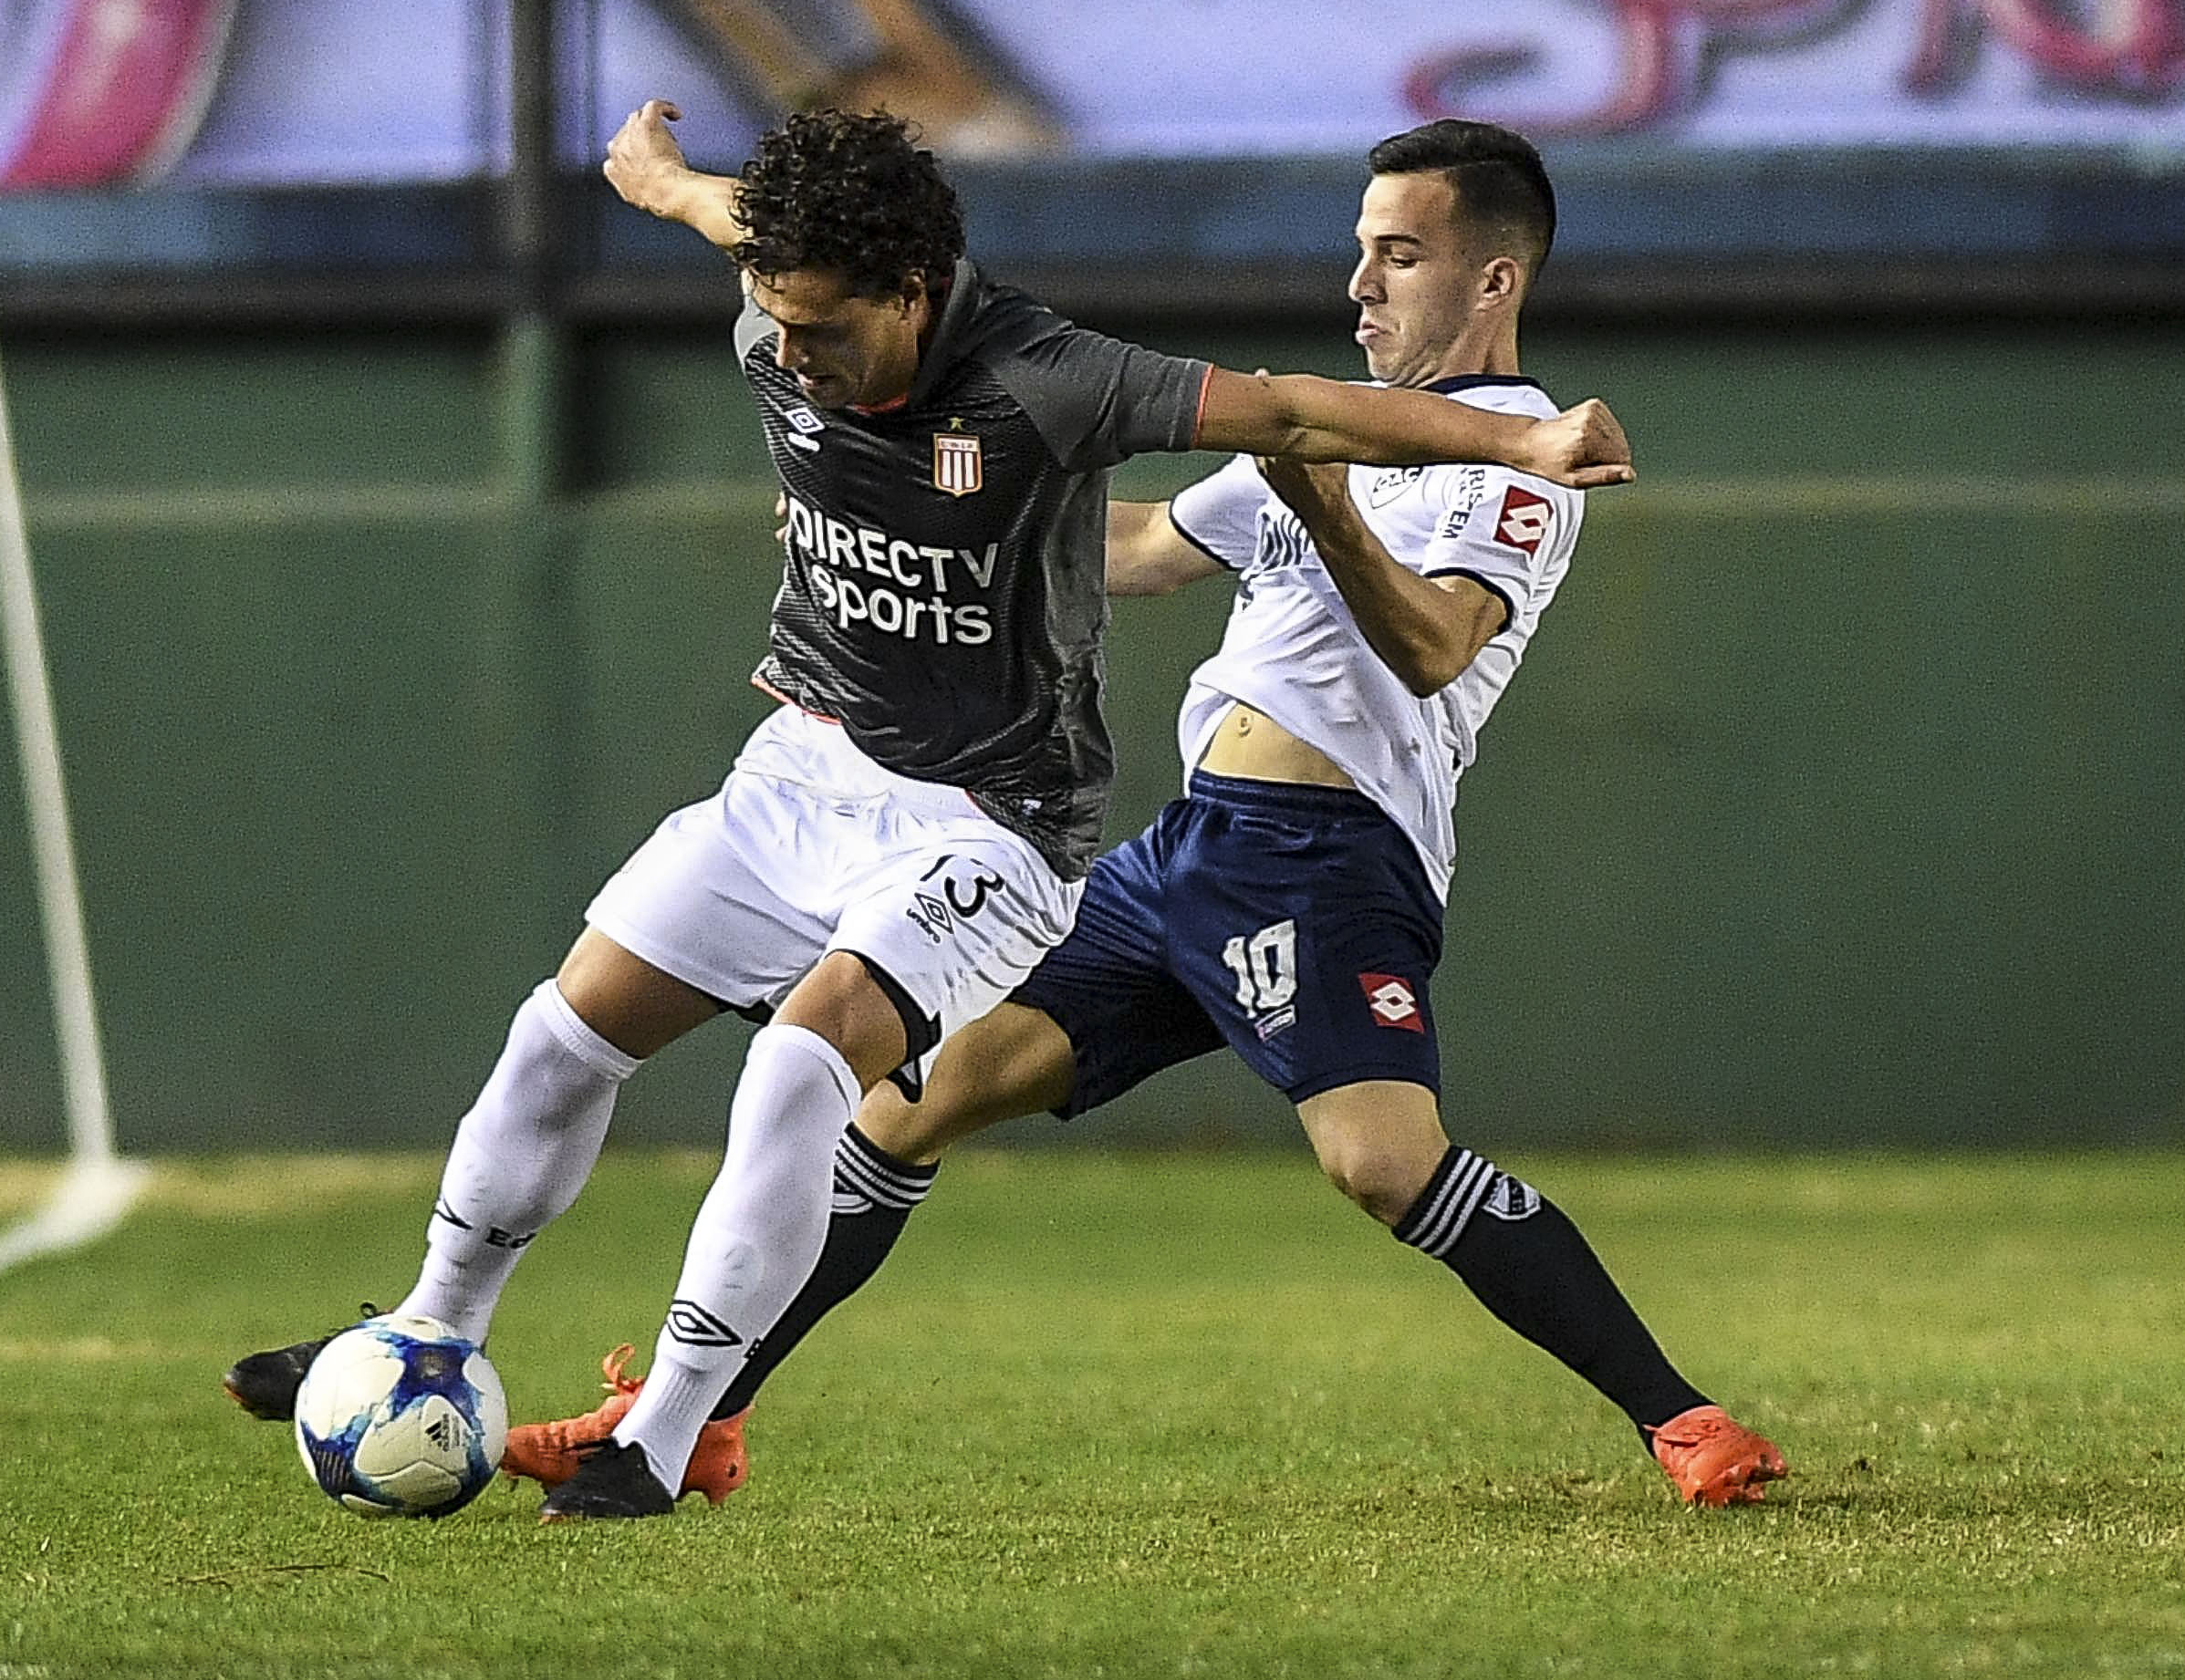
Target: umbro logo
[1524,520]
[1392,1001]
[691,1323]
[804,430]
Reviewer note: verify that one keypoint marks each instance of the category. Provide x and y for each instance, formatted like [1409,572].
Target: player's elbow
[1137,580]
[1426,671]
[1438,653]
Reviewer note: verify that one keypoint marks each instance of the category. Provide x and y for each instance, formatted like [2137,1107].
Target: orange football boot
[549,1453]
[1716,1460]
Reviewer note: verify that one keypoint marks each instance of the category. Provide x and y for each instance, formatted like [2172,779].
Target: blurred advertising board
[291,92]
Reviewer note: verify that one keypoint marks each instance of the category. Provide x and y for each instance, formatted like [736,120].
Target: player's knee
[1377,1178]
[1377,1141]
[914,1133]
[635,1007]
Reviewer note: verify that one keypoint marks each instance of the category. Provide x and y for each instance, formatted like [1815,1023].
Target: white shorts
[811,847]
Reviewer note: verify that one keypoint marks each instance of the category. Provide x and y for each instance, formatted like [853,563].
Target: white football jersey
[1293,651]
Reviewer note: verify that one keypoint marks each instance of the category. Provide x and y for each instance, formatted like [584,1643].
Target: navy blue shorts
[1292,923]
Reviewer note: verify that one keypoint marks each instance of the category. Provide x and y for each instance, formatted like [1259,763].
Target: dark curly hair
[853,195]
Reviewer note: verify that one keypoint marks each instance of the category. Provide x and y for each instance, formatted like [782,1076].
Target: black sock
[874,1194]
[1525,1260]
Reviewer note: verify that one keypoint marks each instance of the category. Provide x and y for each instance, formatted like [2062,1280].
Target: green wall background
[1842,798]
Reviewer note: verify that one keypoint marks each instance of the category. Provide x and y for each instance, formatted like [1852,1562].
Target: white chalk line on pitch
[1758,496]
[241,1186]
[244,1186]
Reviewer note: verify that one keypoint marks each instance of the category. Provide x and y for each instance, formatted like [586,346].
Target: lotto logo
[1392,1001]
[1525,519]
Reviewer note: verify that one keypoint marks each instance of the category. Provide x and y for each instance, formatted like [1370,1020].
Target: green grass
[1160,1416]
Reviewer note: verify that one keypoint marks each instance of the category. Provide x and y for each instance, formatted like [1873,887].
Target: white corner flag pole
[99,1187]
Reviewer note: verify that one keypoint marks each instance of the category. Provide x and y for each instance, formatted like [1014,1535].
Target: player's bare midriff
[1251,745]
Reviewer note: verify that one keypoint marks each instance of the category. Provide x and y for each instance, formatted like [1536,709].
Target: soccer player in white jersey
[904,839]
[1290,905]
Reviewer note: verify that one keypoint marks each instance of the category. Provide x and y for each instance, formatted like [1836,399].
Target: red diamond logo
[1524,520]
[1392,1001]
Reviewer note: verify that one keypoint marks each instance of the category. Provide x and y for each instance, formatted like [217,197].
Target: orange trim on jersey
[888,407]
[1199,418]
[767,688]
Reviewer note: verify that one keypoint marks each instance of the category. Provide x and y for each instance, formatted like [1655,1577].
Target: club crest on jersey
[1392,1001]
[1524,520]
[1391,483]
[958,468]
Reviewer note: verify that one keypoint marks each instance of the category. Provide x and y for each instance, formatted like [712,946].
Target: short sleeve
[1219,515]
[1499,533]
[754,324]
[1097,400]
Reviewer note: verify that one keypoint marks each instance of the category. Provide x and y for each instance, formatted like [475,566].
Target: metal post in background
[543,639]
[534,354]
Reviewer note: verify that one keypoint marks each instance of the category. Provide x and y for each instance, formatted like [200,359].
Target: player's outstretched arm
[1147,554]
[1425,630]
[1302,418]
[647,167]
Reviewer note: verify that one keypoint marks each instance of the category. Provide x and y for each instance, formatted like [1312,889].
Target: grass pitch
[1158,1415]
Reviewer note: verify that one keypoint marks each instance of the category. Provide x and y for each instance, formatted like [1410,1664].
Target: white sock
[520,1156]
[756,1238]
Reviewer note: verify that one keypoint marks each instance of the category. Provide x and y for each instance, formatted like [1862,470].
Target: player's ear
[1501,283]
[912,292]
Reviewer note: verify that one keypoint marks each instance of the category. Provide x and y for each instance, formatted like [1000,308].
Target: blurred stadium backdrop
[404,536]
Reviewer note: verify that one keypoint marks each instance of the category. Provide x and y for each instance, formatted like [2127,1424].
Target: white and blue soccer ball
[401,1417]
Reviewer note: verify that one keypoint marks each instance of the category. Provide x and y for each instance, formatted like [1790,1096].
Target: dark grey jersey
[944,593]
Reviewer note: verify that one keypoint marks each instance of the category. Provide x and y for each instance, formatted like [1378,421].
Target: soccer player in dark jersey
[905,838]
[1290,905]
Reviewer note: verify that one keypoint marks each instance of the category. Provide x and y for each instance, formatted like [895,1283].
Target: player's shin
[756,1241]
[520,1156]
[874,1195]
[1530,1267]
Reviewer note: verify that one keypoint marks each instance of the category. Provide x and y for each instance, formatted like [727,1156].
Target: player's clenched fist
[1583,446]
[643,159]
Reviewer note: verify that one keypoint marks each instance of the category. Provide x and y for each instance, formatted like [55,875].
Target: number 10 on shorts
[1265,966]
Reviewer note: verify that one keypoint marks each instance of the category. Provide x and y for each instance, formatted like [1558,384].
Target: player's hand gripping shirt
[944,594]
[1293,651]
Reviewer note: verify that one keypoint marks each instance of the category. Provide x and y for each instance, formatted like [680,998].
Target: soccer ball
[401,1417]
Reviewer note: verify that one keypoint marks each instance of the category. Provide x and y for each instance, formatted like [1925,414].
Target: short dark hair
[851,194]
[1497,176]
